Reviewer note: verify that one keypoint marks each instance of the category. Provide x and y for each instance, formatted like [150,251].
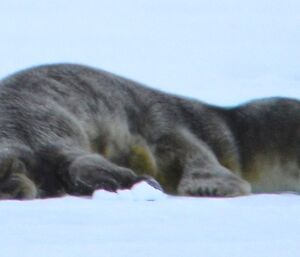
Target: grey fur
[74,129]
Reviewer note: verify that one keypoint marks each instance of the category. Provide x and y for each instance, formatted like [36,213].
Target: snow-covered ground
[110,225]
[222,52]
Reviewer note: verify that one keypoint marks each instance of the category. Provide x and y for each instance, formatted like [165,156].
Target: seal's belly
[274,175]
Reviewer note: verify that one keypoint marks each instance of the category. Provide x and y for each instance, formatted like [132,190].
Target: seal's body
[74,129]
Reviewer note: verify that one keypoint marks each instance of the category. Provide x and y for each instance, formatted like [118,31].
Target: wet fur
[74,129]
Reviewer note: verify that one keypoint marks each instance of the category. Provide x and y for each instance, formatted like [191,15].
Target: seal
[73,129]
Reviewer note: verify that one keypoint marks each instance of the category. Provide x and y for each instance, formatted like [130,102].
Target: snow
[261,225]
[139,192]
[222,52]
